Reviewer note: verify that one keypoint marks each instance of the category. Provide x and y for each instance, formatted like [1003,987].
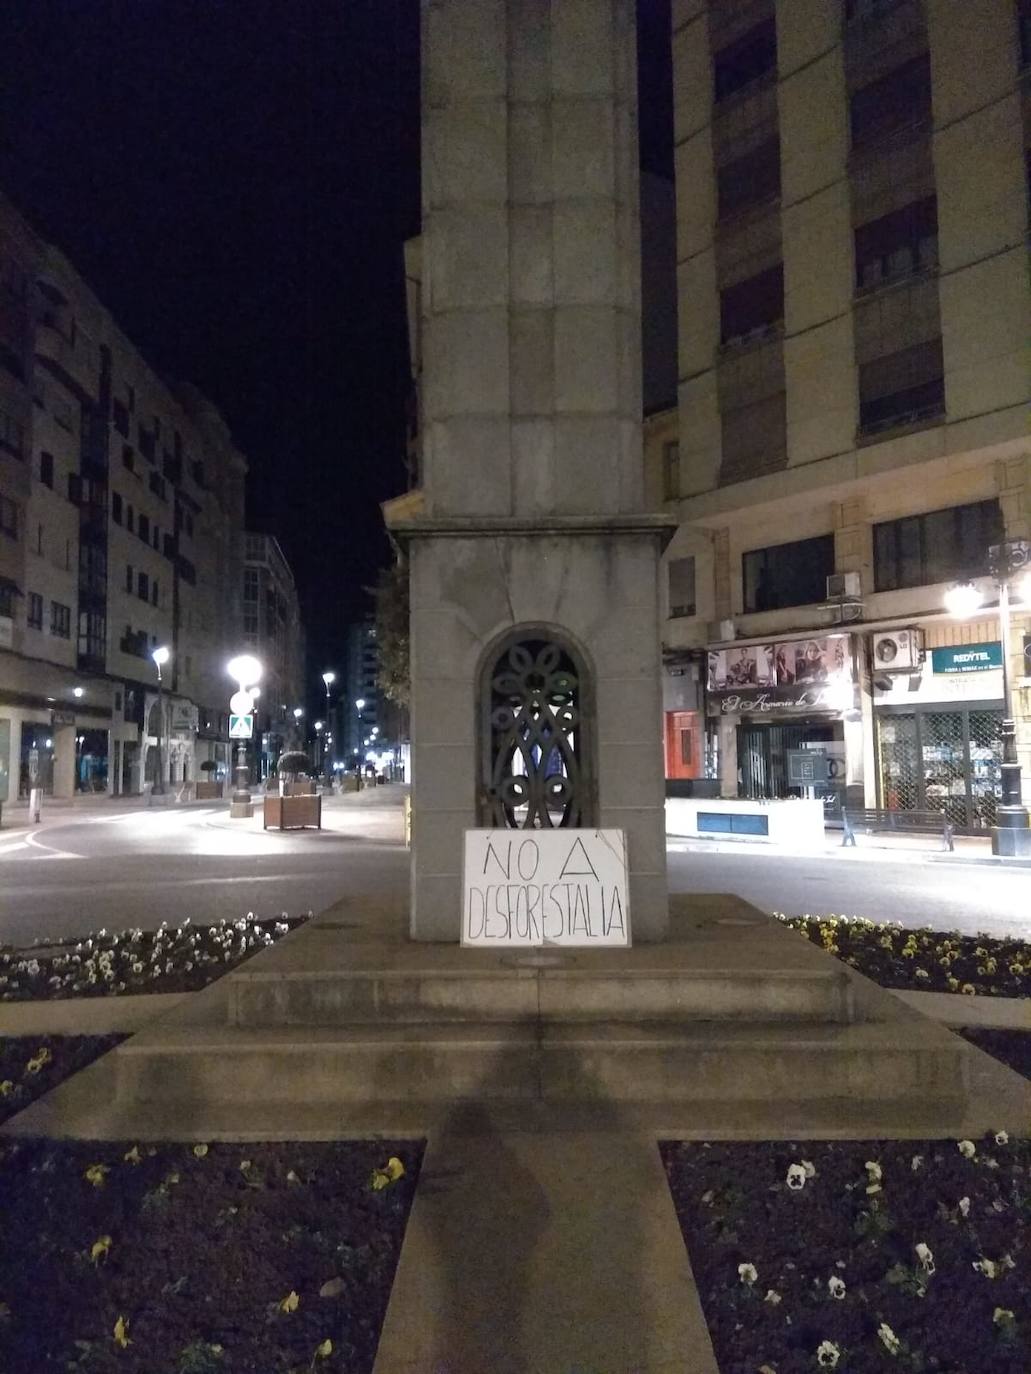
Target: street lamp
[246,671]
[1009,563]
[160,657]
[359,703]
[298,713]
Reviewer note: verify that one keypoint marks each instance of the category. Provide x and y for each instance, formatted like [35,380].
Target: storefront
[938,736]
[786,713]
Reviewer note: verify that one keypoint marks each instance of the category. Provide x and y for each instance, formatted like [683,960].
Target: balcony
[72,366]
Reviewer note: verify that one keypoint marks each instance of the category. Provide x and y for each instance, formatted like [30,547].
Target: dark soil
[1012,1047]
[31,1065]
[203,1248]
[922,960]
[735,1208]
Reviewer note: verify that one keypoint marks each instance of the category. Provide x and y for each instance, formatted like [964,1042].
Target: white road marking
[51,849]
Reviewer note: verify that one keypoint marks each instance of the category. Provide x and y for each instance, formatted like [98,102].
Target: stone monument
[535,652]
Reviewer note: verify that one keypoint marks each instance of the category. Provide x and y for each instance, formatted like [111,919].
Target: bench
[877,818]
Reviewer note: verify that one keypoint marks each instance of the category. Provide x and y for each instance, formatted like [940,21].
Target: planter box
[304,788]
[293,813]
[207,791]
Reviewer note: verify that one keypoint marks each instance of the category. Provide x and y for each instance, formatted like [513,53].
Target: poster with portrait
[820,661]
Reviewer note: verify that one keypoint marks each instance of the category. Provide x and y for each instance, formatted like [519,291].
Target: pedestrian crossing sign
[241,727]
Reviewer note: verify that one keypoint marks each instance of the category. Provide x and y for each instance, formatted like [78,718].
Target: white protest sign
[545,887]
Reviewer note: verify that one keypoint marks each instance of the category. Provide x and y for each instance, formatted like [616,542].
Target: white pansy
[964,1206]
[985,1267]
[747,1273]
[796,1177]
[1002,1316]
[809,1167]
[873,1169]
[827,1355]
[917,1163]
[967,1148]
[836,1287]
[923,1254]
[888,1338]
[1001,1138]
[772,1297]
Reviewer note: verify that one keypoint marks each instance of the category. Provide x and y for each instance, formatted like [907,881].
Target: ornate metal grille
[535,774]
[942,761]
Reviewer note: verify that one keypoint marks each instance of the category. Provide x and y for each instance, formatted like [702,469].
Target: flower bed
[180,958]
[922,960]
[860,1256]
[180,1259]
[31,1065]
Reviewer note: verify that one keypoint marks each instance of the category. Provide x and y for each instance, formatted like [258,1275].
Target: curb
[87,1015]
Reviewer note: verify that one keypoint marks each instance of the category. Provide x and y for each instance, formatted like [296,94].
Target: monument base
[240,810]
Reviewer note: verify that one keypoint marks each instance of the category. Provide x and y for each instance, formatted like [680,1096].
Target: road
[116,864]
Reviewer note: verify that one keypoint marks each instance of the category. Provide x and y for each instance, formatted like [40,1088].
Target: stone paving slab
[87,1015]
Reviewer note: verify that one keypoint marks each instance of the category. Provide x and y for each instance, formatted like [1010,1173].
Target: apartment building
[122,530]
[273,633]
[852,425]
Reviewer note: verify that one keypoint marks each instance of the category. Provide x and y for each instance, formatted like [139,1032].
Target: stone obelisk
[531,526]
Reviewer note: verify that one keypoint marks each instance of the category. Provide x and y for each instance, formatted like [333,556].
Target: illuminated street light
[246,670]
[78,691]
[160,656]
[965,599]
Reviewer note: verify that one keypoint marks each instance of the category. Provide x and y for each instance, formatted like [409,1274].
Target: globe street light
[1010,563]
[160,657]
[298,713]
[359,704]
[246,671]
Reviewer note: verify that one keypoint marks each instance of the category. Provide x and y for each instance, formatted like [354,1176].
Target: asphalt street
[117,864]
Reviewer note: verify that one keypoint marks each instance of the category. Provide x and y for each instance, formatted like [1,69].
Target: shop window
[670,472]
[682,587]
[748,59]
[752,307]
[34,611]
[788,574]
[903,388]
[940,546]
[750,180]
[897,245]
[897,100]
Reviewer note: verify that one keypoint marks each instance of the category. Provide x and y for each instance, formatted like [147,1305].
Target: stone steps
[528,1061]
[335,997]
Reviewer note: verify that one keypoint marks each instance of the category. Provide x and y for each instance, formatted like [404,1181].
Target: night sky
[235,179]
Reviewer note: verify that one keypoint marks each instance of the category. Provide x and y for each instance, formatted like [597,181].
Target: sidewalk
[970,849]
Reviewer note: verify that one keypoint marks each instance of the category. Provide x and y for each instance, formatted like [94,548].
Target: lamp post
[160,657]
[298,713]
[358,705]
[317,727]
[1008,563]
[246,672]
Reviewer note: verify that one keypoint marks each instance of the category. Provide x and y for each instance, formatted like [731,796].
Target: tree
[392,641]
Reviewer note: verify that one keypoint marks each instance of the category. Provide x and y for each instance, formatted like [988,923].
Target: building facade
[851,434]
[121,499]
[274,634]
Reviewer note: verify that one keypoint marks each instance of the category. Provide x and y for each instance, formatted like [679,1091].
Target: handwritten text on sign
[545,887]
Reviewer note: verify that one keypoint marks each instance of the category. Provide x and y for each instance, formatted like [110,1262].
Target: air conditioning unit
[727,629]
[841,586]
[898,651]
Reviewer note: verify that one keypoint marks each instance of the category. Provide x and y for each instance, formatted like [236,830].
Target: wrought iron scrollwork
[535,778]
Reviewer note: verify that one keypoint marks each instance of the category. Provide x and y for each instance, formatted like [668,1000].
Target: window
[11,361]
[681,587]
[143,586]
[128,457]
[197,468]
[788,574]
[63,413]
[157,485]
[901,98]
[1024,26]
[8,518]
[39,540]
[747,59]
[74,488]
[130,520]
[34,613]
[941,546]
[130,578]
[754,438]
[897,245]
[60,620]
[250,584]
[46,469]
[902,388]
[6,600]
[154,592]
[750,180]
[753,306]
[143,527]
[670,472]
[155,537]
[120,418]
[12,435]
[145,442]
[116,507]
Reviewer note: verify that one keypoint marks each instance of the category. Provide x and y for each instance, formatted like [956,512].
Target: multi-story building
[852,430]
[357,731]
[273,633]
[122,531]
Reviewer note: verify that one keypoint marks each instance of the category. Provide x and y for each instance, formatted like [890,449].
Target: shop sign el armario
[794,675]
